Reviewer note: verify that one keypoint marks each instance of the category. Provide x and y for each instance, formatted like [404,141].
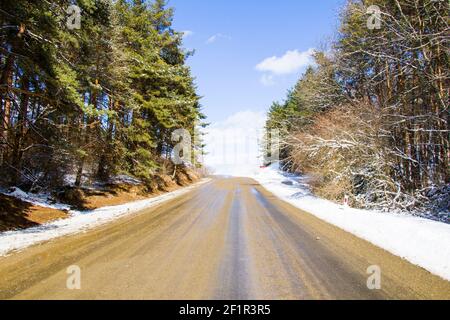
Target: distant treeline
[371,119]
[91,90]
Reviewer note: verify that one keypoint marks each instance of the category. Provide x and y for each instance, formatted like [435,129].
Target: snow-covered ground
[79,221]
[423,242]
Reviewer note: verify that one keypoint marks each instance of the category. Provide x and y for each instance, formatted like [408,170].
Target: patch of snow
[69,179]
[123,178]
[80,221]
[421,241]
[43,199]
[18,193]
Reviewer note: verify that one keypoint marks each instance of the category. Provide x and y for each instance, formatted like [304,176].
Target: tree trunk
[79,173]
[17,152]
[6,82]
[103,173]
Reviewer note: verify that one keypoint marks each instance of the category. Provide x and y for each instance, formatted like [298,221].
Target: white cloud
[187,33]
[233,145]
[216,37]
[291,62]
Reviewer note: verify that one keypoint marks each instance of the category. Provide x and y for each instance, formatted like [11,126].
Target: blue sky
[232,38]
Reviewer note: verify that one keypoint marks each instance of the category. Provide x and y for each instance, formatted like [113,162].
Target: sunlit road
[228,239]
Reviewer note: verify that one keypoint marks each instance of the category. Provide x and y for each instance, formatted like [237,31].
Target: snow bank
[80,221]
[423,242]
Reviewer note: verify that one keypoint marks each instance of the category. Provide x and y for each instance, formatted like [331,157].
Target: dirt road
[228,239]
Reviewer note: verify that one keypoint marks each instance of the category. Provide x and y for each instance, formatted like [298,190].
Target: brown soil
[17,214]
[90,199]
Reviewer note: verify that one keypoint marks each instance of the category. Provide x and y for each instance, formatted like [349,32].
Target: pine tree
[91,102]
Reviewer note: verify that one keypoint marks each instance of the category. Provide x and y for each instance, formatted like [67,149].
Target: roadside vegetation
[90,96]
[83,104]
[370,119]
